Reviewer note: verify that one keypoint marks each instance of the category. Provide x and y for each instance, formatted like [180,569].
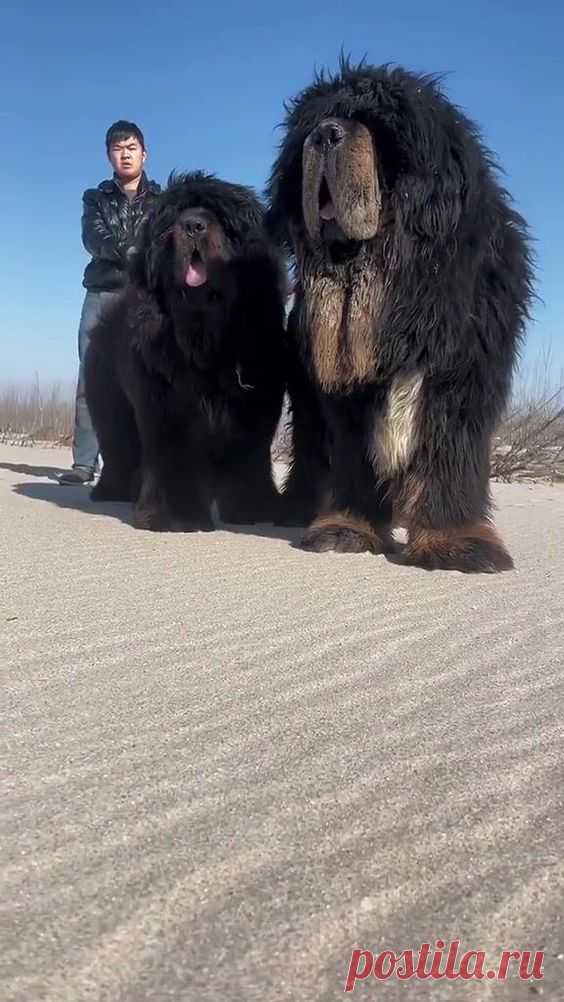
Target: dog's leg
[306,483]
[246,491]
[174,494]
[357,514]
[151,510]
[445,493]
[189,491]
[172,497]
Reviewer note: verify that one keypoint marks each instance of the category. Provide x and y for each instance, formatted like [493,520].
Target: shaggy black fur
[452,260]
[185,376]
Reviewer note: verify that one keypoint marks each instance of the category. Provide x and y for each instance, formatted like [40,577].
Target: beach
[229,763]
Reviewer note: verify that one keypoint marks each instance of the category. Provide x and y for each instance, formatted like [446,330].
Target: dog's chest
[215,411]
[342,315]
[224,396]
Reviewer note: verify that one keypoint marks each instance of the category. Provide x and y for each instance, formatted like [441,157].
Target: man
[112,214]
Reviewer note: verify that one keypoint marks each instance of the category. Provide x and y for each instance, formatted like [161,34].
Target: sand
[230,762]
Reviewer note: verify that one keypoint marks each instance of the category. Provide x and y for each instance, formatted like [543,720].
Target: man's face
[127,157]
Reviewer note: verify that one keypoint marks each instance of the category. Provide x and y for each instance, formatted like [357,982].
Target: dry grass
[529,444]
[30,414]
[530,441]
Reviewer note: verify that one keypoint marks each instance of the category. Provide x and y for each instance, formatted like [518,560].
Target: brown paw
[470,549]
[338,539]
[344,532]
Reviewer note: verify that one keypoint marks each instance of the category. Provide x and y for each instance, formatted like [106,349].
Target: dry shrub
[530,442]
[30,414]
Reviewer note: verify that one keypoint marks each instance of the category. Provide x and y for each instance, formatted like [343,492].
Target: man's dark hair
[123,130]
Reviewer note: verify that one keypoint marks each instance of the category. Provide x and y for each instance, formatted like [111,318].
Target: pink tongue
[327,211]
[196,274]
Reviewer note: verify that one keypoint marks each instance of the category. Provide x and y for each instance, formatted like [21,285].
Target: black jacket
[110,223]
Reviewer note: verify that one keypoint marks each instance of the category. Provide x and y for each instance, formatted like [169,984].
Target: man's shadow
[50,472]
[78,498]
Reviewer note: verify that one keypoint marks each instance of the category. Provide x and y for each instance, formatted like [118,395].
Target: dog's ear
[432,207]
[276,224]
[276,217]
[432,196]
[284,191]
[240,216]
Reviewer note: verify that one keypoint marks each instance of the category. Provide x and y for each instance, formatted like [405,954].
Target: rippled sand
[231,762]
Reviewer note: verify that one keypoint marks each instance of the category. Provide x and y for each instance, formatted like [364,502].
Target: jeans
[84,443]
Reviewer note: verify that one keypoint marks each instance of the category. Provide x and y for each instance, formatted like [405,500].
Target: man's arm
[97,236]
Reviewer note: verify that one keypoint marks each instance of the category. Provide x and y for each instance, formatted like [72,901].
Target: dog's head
[366,150]
[195,228]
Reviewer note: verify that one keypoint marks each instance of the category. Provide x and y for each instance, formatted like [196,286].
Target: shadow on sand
[78,498]
[50,472]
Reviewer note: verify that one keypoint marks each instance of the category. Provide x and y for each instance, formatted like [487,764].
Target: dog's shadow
[49,472]
[78,498]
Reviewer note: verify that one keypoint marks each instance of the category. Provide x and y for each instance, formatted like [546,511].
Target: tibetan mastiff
[414,282]
[186,374]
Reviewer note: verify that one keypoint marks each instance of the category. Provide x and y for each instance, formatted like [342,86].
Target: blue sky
[206,82]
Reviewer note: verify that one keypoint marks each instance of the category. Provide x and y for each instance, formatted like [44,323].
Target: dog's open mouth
[196,272]
[326,207]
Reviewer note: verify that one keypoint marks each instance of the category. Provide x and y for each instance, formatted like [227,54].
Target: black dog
[185,376]
[414,288]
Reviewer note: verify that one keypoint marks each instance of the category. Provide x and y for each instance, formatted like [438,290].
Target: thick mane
[450,231]
[436,168]
[237,207]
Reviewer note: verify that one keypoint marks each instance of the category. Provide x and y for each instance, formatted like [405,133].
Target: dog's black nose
[327,134]
[195,225]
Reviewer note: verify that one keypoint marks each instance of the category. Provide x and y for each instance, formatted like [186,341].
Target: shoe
[77,477]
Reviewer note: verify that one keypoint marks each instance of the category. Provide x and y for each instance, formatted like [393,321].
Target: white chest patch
[396,429]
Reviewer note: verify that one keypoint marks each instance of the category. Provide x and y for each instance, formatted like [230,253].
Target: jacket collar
[144,186]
